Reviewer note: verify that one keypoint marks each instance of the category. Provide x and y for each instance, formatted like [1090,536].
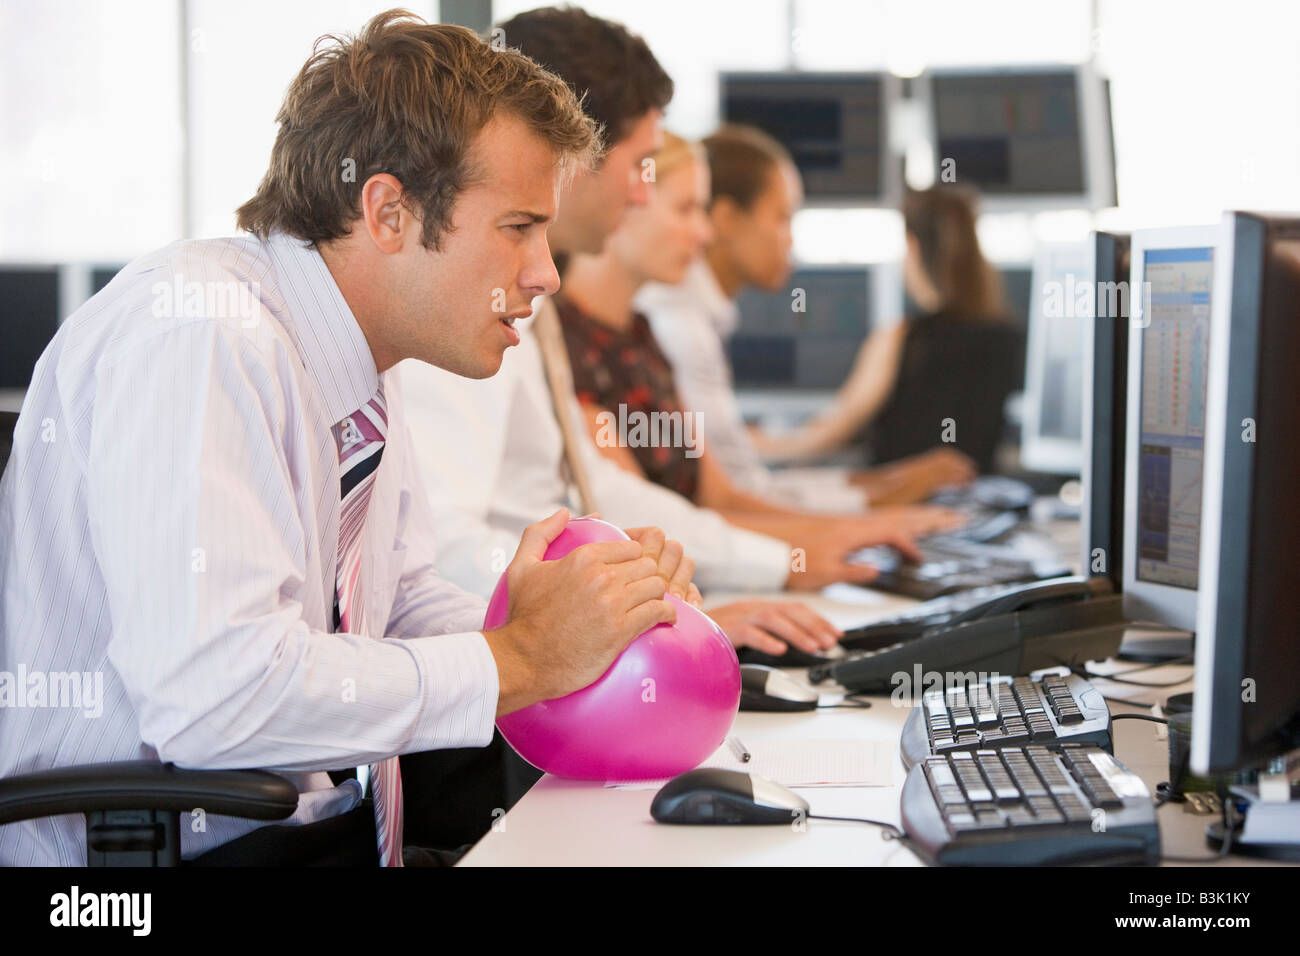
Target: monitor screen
[806,336]
[832,124]
[1175,346]
[101,276]
[1011,132]
[29,317]
[1059,316]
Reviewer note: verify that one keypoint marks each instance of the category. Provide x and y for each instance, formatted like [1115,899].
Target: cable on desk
[1130,703]
[1084,672]
[887,830]
[850,700]
[1224,849]
[1154,720]
[1183,661]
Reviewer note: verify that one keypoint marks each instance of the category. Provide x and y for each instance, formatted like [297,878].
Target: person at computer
[621,375]
[940,377]
[755,190]
[531,450]
[212,498]
[500,453]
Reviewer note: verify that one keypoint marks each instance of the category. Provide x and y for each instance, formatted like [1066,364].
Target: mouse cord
[1084,672]
[1224,848]
[850,700]
[888,830]
[1154,720]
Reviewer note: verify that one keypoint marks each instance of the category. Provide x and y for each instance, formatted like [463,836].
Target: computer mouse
[766,688]
[726,796]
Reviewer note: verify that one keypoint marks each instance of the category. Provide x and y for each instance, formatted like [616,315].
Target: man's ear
[386,217]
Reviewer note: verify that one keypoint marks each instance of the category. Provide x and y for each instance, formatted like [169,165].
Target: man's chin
[484,368]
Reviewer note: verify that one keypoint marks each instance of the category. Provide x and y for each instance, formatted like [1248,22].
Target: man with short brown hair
[212,503]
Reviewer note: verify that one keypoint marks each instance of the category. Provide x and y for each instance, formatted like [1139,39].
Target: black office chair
[133,808]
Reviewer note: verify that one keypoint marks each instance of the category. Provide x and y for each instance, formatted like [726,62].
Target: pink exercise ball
[662,707]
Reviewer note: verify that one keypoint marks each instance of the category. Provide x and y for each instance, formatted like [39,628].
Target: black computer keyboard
[950,563]
[1006,711]
[1029,806]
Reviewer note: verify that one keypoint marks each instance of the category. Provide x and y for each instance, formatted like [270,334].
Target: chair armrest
[145,785]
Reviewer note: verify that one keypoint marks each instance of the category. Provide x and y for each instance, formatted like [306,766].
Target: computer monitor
[101,276]
[833,124]
[1060,312]
[1172,275]
[806,336]
[29,317]
[1024,136]
[1105,384]
[1017,282]
[1246,704]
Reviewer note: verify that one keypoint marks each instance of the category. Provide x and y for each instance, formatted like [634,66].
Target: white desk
[579,823]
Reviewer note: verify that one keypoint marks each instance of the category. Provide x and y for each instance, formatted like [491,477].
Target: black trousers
[452,798]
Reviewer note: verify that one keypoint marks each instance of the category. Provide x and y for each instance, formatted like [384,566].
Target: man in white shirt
[516,468]
[212,525]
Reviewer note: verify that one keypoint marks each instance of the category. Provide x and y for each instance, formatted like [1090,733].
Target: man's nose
[541,277]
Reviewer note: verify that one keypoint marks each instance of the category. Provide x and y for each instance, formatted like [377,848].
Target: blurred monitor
[1172,273]
[833,124]
[1016,284]
[1036,136]
[29,317]
[101,276]
[1060,313]
[806,336]
[1105,383]
[1246,704]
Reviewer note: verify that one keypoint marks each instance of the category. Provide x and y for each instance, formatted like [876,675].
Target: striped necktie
[360,441]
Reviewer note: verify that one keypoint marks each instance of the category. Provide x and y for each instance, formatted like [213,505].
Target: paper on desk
[853,594]
[842,762]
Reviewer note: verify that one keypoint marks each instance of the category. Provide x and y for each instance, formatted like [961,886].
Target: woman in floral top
[625,384]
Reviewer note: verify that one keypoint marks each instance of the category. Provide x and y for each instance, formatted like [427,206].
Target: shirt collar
[331,343]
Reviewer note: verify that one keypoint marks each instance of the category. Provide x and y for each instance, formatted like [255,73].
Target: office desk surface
[580,823]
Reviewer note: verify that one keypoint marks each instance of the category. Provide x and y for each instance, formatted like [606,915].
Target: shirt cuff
[758,563]
[459,680]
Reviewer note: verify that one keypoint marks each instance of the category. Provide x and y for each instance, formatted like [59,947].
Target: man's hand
[673,565]
[569,619]
[769,626]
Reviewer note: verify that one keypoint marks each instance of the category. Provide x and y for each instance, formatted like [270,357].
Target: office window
[694,42]
[92,147]
[243,54]
[1205,101]
[905,36]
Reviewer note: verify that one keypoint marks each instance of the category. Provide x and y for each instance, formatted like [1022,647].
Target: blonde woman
[621,375]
